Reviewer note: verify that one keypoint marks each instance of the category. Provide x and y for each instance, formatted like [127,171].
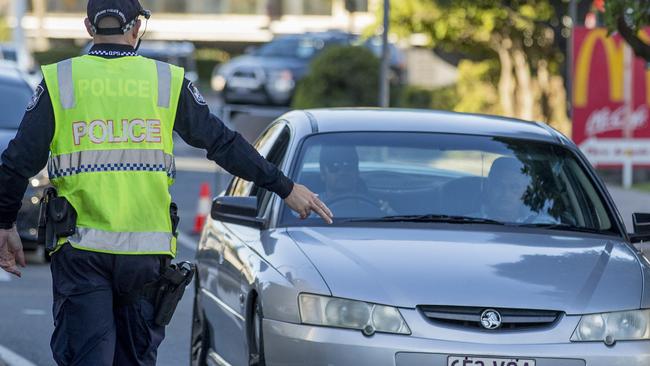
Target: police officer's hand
[11,251]
[304,201]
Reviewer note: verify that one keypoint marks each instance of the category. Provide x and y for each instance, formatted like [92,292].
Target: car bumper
[256,96]
[294,344]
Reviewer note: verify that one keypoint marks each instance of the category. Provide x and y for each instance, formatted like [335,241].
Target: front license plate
[243,83]
[487,361]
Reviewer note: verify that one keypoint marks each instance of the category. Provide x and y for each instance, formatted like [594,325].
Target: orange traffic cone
[203,208]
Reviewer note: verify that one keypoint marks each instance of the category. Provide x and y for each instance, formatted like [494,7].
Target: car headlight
[41,179]
[218,83]
[281,80]
[612,327]
[343,313]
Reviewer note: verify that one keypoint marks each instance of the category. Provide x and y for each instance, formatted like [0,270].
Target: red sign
[600,114]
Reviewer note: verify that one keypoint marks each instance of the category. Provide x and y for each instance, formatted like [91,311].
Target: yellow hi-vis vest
[112,151]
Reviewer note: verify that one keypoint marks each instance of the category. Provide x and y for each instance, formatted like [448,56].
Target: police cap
[125,11]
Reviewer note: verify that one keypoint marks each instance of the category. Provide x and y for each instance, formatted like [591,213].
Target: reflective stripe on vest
[112,150]
[121,242]
[164,81]
[66,84]
[111,161]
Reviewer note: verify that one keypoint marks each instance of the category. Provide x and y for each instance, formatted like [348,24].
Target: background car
[457,239]
[27,65]
[15,95]
[268,75]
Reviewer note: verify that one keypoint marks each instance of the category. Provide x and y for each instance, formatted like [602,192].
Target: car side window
[275,156]
[240,187]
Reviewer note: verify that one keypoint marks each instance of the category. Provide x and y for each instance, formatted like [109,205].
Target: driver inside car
[505,192]
[345,190]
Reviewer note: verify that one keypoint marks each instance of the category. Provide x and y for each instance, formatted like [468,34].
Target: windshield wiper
[563,227]
[429,218]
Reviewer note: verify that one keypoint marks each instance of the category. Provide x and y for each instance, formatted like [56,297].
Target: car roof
[416,120]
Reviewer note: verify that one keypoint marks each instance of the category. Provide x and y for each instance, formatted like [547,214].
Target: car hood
[574,273]
[298,66]
[6,135]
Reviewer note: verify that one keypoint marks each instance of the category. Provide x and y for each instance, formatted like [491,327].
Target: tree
[341,76]
[628,17]
[516,33]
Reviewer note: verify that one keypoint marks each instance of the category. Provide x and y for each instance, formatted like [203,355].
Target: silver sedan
[458,240]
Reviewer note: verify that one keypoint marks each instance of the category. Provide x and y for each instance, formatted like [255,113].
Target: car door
[233,268]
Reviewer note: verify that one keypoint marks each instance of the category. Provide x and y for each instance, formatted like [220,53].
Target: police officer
[103,123]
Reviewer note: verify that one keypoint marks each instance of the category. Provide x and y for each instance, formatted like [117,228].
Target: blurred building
[210,20]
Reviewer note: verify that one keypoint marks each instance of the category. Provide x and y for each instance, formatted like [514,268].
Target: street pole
[20,7]
[384,82]
[573,14]
[628,129]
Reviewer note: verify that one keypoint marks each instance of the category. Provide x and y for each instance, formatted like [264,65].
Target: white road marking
[187,241]
[4,276]
[13,359]
[34,312]
[201,165]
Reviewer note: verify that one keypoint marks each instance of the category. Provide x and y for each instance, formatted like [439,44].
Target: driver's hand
[11,251]
[304,201]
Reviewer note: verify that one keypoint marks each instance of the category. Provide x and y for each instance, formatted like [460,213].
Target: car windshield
[295,47]
[13,100]
[375,176]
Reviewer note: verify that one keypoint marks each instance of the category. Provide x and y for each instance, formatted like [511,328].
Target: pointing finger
[322,213]
[325,208]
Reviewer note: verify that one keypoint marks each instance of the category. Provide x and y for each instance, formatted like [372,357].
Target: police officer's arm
[25,156]
[201,129]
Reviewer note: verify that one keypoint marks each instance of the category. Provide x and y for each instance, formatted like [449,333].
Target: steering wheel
[354,203]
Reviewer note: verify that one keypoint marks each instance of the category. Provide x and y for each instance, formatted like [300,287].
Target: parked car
[15,95]
[457,240]
[268,75]
[9,55]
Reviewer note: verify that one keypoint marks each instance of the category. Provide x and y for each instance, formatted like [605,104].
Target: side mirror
[641,222]
[237,210]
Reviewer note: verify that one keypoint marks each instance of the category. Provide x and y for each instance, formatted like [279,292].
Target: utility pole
[573,14]
[384,82]
[20,7]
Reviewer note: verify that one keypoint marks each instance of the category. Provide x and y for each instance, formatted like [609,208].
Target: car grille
[245,74]
[470,317]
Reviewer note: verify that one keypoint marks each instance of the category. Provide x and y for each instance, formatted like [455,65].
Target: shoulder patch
[35,98]
[198,98]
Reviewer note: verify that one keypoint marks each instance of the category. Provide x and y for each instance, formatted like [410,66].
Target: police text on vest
[135,130]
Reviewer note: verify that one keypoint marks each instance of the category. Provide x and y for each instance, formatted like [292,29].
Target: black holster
[171,287]
[164,293]
[57,219]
